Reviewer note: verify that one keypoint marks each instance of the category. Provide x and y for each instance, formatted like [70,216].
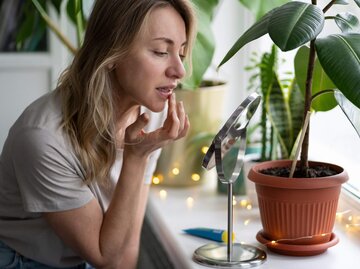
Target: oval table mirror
[231,135]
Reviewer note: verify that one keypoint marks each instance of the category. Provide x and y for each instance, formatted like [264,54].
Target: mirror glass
[227,149]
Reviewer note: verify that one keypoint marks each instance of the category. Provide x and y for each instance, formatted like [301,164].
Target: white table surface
[202,206]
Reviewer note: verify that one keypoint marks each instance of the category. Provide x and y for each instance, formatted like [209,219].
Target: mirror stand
[230,254]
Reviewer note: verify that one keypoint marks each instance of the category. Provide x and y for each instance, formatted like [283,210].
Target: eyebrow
[168,40]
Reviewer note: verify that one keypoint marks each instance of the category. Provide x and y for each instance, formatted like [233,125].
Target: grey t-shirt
[39,172]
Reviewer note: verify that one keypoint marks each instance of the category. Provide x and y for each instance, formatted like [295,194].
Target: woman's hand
[175,126]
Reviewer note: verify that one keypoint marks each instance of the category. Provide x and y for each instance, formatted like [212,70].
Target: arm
[111,240]
[107,241]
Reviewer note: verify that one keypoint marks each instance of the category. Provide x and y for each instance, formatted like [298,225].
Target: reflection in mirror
[230,138]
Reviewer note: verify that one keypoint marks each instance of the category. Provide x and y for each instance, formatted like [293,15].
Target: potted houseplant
[298,213]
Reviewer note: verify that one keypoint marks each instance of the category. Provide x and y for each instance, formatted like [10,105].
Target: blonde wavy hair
[85,86]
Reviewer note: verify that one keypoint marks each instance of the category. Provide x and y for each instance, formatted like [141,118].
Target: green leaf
[57,5]
[70,10]
[202,55]
[254,32]
[267,69]
[352,112]
[26,27]
[296,106]
[295,24]
[341,2]
[32,30]
[357,2]
[204,47]
[347,22]
[260,7]
[208,6]
[279,115]
[339,55]
[320,80]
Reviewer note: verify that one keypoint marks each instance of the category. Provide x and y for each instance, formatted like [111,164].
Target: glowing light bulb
[175,171]
[156,180]
[204,149]
[243,203]
[190,202]
[234,200]
[339,216]
[195,177]
[249,207]
[163,194]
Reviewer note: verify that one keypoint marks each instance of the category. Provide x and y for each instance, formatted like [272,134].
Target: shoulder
[36,138]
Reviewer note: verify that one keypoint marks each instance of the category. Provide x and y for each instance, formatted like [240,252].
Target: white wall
[231,20]
[26,76]
[22,78]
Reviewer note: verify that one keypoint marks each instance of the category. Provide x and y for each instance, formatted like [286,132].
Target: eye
[182,57]
[160,53]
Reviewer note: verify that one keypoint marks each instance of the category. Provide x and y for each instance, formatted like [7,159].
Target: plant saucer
[297,250]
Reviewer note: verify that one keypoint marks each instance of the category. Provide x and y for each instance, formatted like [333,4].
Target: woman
[72,169]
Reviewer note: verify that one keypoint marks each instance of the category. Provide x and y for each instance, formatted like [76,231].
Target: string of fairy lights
[346,219]
[175,171]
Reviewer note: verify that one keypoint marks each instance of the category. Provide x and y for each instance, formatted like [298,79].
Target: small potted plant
[298,209]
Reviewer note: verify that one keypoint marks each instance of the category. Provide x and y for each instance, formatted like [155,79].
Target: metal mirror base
[216,255]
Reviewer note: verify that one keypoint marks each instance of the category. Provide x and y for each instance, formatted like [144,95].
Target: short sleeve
[151,166]
[46,172]
[156,121]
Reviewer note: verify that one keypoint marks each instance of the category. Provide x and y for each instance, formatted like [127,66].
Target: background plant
[281,111]
[295,24]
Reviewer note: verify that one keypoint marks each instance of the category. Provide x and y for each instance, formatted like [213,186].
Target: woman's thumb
[135,130]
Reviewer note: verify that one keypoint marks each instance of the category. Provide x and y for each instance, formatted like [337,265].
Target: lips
[165,92]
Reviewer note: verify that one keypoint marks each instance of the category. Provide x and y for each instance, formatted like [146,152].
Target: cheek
[138,71]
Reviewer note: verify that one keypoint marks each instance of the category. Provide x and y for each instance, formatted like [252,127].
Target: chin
[156,108]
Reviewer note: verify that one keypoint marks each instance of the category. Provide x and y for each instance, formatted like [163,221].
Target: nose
[176,69]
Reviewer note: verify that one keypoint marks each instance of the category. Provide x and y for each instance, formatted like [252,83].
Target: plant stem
[307,106]
[328,6]
[264,133]
[306,123]
[53,27]
[79,21]
[272,150]
[304,164]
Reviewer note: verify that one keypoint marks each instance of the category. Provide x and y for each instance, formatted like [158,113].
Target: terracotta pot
[297,211]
